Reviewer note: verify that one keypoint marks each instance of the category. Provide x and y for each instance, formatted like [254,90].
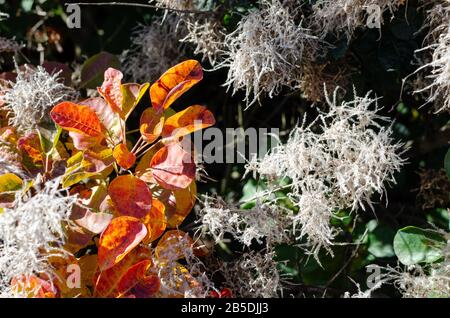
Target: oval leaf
[111,89]
[123,157]
[131,196]
[187,121]
[77,118]
[414,245]
[179,203]
[174,82]
[155,221]
[136,282]
[173,167]
[120,237]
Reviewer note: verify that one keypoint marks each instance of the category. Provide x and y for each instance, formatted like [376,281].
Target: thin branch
[139,5]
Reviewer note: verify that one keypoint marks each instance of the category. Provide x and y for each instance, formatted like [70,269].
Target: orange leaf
[155,221]
[124,158]
[151,124]
[174,82]
[143,170]
[173,246]
[137,283]
[120,237]
[32,286]
[187,121]
[173,167]
[110,120]
[131,196]
[30,148]
[78,118]
[179,203]
[106,282]
[111,89]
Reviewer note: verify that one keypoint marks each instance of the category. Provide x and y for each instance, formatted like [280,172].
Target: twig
[139,5]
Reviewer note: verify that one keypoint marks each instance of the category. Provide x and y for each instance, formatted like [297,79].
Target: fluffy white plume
[436,72]
[253,275]
[339,161]
[30,98]
[268,222]
[265,52]
[345,16]
[32,226]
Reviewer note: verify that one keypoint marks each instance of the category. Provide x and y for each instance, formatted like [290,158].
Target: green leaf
[447,163]
[380,241]
[93,69]
[10,182]
[49,137]
[132,94]
[439,217]
[251,187]
[414,245]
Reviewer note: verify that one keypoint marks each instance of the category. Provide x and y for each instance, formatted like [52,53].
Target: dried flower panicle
[265,52]
[267,222]
[341,165]
[30,229]
[206,35]
[434,74]
[30,97]
[252,275]
[345,16]
[154,49]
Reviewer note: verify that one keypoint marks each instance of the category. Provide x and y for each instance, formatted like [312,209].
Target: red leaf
[131,196]
[151,124]
[136,282]
[78,118]
[155,220]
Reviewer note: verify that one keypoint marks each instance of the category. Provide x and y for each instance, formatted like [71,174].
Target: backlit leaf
[123,156]
[132,94]
[179,203]
[78,118]
[174,82]
[106,281]
[120,237]
[110,120]
[137,282]
[187,121]
[173,167]
[151,124]
[155,220]
[131,196]
[111,89]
